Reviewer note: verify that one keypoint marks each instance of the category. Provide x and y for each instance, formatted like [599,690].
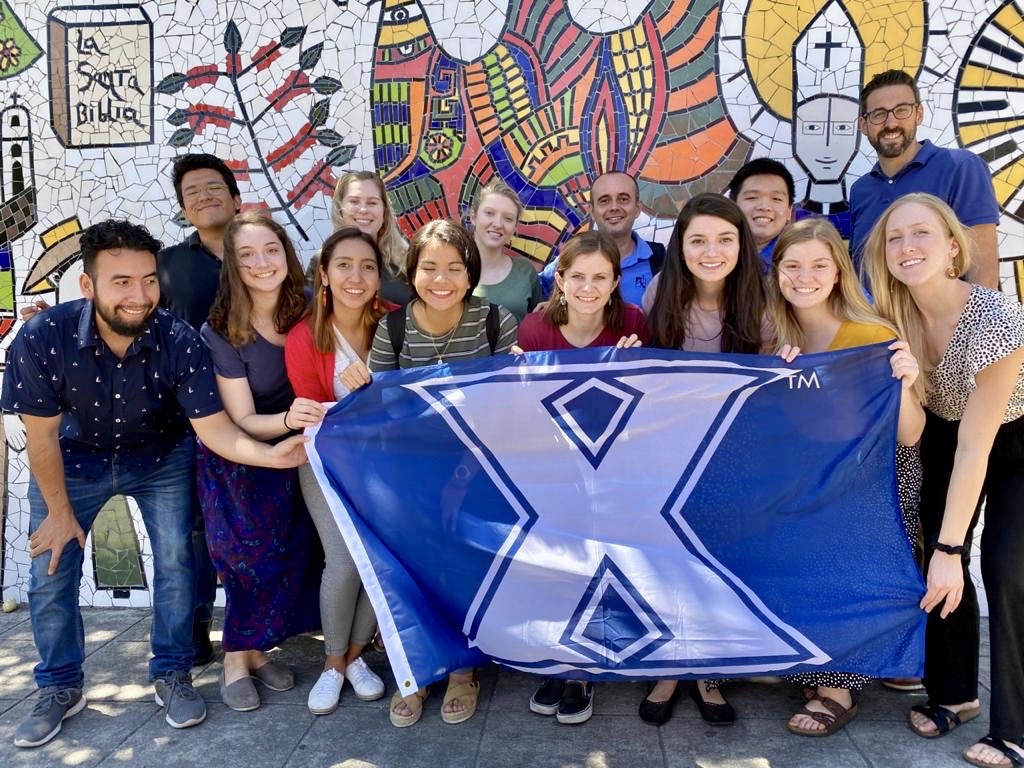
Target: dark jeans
[162,494]
[951,644]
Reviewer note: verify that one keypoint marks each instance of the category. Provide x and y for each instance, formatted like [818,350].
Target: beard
[891,147]
[118,323]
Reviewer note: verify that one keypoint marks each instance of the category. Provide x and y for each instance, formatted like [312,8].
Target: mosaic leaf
[181,137]
[329,138]
[340,155]
[311,56]
[292,36]
[326,86]
[173,83]
[232,38]
[319,111]
[177,117]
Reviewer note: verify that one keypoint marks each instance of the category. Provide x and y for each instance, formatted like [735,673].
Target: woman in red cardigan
[326,359]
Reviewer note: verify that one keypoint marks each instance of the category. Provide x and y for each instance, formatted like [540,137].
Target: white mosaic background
[295,142]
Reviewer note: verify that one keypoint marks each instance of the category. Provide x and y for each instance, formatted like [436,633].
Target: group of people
[250,351]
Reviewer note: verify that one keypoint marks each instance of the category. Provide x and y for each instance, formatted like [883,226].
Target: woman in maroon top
[586,309]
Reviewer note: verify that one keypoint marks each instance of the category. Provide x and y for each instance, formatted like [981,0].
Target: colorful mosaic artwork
[440,97]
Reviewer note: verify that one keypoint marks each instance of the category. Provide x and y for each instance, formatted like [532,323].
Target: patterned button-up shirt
[124,413]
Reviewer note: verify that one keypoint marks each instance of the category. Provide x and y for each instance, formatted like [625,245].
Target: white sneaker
[323,696]
[365,683]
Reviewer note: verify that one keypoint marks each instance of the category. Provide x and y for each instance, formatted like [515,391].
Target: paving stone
[122,726]
[14,622]
[523,738]
[119,672]
[265,737]
[362,737]
[85,739]
[886,746]
[753,742]
[17,659]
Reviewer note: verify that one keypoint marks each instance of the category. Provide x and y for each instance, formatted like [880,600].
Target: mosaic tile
[441,96]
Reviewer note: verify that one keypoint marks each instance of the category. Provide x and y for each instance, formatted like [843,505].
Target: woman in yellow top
[817,305]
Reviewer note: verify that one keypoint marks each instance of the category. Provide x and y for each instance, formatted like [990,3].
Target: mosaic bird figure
[548,107]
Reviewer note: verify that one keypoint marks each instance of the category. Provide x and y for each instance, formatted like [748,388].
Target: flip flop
[833,720]
[943,718]
[415,704]
[468,694]
[991,741]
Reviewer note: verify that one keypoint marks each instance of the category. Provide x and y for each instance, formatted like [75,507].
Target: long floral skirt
[265,549]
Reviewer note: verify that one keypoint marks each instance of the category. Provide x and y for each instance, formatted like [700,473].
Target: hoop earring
[953,272]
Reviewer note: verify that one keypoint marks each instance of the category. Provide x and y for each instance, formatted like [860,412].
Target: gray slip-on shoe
[277,677]
[240,695]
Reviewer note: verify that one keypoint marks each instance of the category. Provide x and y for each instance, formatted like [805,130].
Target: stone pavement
[123,727]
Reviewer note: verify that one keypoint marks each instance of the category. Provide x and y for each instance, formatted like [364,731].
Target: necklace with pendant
[440,355]
[451,335]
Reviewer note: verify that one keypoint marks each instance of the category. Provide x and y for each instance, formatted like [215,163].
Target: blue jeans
[163,494]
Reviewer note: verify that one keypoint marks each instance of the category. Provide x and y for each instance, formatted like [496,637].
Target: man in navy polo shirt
[107,386]
[614,206]
[891,110]
[189,274]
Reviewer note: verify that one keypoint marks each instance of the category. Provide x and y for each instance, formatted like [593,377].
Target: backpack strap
[493,326]
[657,260]
[396,330]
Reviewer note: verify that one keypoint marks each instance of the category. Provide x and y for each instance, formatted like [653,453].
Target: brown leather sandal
[833,720]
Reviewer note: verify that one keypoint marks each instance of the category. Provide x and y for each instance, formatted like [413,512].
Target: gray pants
[344,605]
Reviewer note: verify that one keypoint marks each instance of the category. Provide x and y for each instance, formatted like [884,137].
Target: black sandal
[943,718]
[991,741]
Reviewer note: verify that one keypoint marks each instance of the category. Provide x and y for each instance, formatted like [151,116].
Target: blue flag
[629,514]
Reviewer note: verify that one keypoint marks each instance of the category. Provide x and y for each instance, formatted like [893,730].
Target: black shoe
[659,712]
[577,703]
[547,698]
[202,648]
[715,714]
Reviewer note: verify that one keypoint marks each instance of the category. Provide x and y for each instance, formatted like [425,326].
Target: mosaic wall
[441,96]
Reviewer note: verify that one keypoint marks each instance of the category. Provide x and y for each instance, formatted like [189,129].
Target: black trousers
[951,644]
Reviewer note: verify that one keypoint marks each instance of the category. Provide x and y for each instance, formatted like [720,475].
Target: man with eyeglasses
[190,271]
[189,274]
[891,110]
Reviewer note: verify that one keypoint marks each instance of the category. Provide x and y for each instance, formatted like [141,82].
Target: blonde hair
[497,187]
[846,301]
[892,298]
[389,238]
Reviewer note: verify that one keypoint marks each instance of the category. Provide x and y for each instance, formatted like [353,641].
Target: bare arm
[223,437]
[984,256]
[47,465]
[237,398]
[905,368]
[978,427]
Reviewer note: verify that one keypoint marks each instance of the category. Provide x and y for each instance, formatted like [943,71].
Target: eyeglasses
[900,112]
[213,189]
